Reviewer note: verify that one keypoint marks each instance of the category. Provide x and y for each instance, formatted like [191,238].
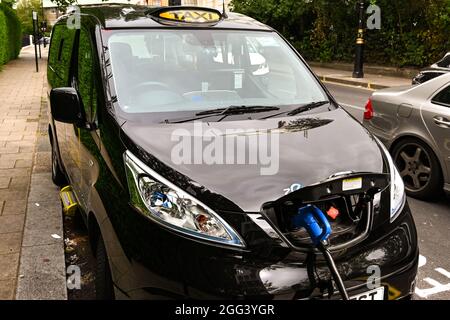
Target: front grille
[356,209]
[351,223]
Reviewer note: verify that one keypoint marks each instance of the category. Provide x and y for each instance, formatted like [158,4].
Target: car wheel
[104,289]
[58,176]
[419,168]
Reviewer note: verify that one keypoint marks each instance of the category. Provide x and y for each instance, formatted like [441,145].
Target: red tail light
[368,113]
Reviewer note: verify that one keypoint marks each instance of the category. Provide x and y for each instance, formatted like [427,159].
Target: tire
[419,168]
[104,289]
[58,176]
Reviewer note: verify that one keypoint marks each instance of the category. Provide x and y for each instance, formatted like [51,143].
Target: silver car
[435,70]
[414,123]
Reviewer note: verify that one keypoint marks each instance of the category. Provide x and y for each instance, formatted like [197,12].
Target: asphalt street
[432,218]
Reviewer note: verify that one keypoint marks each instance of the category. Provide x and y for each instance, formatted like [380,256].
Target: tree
[413,32]
[9,3]
[63,4]
[25,10]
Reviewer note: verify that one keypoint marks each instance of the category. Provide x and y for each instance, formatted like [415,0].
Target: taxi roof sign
[187,15]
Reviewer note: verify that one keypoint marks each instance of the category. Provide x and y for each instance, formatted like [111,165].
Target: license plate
[376,294]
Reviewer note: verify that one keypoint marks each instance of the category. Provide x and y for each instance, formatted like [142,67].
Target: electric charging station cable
[333,269]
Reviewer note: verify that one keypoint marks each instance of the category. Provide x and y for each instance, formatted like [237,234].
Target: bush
[4,57]
[10,34]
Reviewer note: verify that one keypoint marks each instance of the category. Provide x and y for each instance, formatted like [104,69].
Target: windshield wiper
[232,110]
[225,112]
[307,107]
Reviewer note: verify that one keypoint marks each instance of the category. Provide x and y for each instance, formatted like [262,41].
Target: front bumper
[197,271]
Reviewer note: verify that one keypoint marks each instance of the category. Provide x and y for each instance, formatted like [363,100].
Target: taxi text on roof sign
[191,15]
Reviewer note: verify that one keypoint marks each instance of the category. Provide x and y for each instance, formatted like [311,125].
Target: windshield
[183,70]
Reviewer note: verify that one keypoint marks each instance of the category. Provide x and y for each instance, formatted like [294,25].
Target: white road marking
[436,286]
[443,272]
[422,261]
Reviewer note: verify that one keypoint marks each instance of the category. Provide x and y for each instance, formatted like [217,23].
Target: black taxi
[208,161]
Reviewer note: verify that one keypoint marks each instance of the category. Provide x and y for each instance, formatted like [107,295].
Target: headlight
[163,202]
[398,197]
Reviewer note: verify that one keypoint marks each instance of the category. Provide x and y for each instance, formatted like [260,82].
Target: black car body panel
[320,158]
[136,17]
[149,261]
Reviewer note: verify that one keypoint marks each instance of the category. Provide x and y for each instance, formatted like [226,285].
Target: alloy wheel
[415,166]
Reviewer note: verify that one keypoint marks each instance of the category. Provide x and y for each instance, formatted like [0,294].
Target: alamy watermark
[374,19]
[74,20]
[374,279]
[73,273]
[211,146]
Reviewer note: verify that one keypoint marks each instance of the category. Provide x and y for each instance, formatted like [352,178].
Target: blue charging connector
[315,222]
[319,229]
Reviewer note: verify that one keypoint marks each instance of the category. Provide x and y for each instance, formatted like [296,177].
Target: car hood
[307,149]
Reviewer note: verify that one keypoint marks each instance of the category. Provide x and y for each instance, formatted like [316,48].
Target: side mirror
[66,106]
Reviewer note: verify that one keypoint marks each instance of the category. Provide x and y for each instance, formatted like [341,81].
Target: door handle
[442,121]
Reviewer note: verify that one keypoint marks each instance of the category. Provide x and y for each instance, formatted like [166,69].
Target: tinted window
[445,63]
[443,97]
[55,45]
[85,74]
[187,70]
[430,75]
[60,55]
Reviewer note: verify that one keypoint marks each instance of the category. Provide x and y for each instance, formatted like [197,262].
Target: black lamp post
[43,23]
[358,71]
[43,30]
[35,16]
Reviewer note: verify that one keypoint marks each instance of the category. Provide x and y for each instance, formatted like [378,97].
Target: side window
[445,63]
[55,45]
[53,62]
[60,55]
[85,74]
[443,97]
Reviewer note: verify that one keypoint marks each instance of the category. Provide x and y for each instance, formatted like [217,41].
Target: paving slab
[32,264]
[7,289]
[38,274]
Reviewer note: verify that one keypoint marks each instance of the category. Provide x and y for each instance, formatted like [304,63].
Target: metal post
[358,71]
[43,29]
[43,35]
[35,39]
[44,24]
[39,33]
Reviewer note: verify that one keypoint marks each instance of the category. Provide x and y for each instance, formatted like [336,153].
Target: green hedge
[10,34]
[413,32]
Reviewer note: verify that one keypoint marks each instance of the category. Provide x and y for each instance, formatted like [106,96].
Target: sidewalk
[31,260]
[370,81]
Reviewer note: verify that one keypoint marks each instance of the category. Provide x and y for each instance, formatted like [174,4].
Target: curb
[406,73]
[42,270]
[360,84]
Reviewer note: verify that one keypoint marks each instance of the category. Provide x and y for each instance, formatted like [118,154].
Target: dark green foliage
[413,32]
[10,34]
[60,55]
